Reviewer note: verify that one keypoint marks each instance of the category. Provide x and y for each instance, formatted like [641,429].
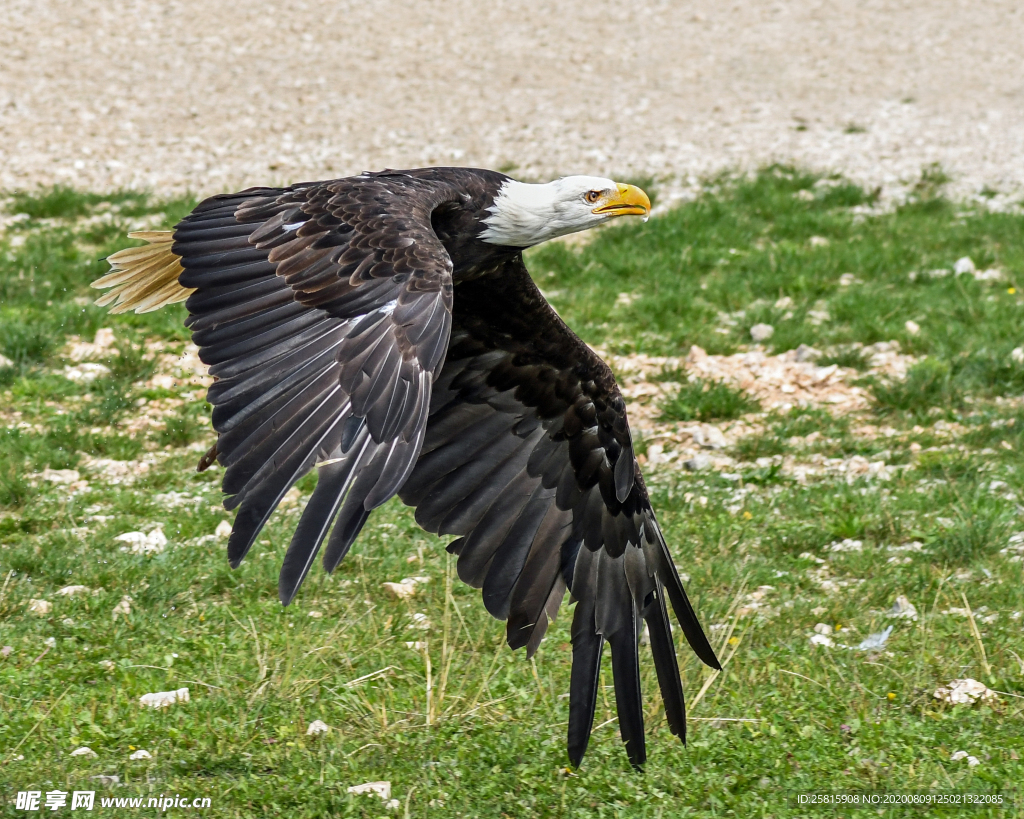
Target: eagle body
[384,329]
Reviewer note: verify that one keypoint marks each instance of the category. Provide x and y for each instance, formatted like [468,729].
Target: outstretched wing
[324,312]
[528,459]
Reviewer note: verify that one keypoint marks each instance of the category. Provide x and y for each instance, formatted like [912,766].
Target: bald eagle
[384,329]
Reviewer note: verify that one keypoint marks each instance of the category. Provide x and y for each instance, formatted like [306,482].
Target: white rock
[316,615]
[823,628]
[784,303]
[85,372]
[964,265]
[992,274]
[40,607]
[71,591]
[420,621]
[141,754]
[392,804]
[697,463]
[400,591]
[707,436]
[124,608]
[903,609]
[761,332]
[68,622]
[912,327]
[50,642]
[83,751]
[807,353]
[847,279]
[60,476]
[1017,356]
[819,241]
[140,543]
[846,545]
[874,642]
[317,727]
[417,645]
[223,529]
[104,338]
[5,361]
[107,665]
[964,692]
[381,789]
[164,699]
[404,588]
[822,640]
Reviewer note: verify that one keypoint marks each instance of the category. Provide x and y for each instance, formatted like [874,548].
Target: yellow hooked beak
[628,200]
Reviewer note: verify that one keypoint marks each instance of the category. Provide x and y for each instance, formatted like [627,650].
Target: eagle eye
[592,196]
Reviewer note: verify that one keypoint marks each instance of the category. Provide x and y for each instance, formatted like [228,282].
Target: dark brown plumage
[364,323]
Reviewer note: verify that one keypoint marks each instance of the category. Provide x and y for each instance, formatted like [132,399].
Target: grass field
[423,692]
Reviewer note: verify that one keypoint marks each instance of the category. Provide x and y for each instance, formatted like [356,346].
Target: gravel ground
[208,96]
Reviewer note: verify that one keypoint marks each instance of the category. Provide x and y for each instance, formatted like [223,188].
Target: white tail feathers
[144,278]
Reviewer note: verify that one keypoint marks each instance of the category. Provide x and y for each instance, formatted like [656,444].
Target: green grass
[490,743]
[701,400]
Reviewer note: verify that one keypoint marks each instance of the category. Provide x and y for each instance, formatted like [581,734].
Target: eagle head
[524,215]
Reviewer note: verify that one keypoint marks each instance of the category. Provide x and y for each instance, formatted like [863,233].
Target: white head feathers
[524,215]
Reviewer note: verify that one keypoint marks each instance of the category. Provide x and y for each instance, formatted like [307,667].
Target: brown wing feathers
[323,322]
[325,311]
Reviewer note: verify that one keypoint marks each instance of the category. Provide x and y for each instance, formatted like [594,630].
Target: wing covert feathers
[144,278]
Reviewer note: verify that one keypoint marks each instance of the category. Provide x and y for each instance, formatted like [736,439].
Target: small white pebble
[316,615]
[317,727]
[141,754]
[912,327]
[83,751]
[124,608]
[164,699]
[40,607]
[223,529]
[71,591]
[965,264]
[382,789]
[761,332]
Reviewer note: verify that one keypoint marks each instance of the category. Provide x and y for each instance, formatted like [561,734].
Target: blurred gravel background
[205,96]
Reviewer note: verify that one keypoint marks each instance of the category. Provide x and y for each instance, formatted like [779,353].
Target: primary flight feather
[385,327]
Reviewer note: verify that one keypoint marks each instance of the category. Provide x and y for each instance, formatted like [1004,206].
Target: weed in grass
[65,202]
[803,421]
[846,355]
[931,182]
[929,385]
[762,445]
[703,400]
[976,526]
[26,342]
[186,426]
